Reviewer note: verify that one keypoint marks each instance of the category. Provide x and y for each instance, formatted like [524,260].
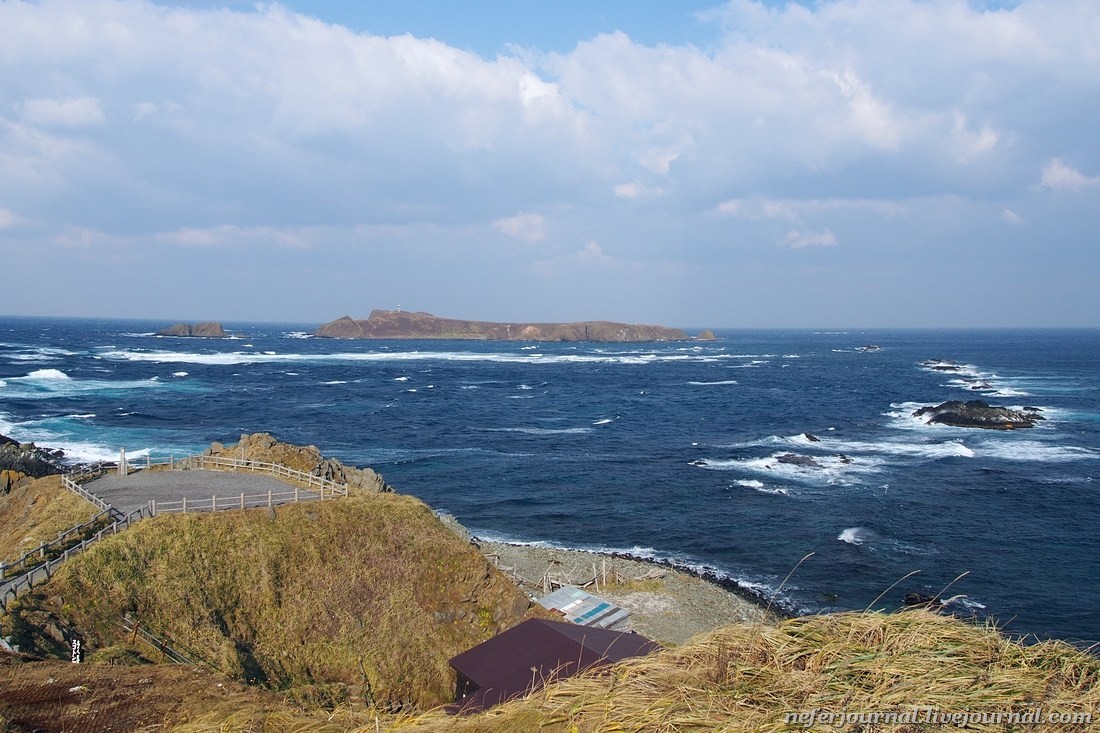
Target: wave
[856,535]
[179,374]
[756,485]
[761,588]
[335,381]
[541,431]
[298,335]
[827,470]
[604,421]
[400,379]
[240,357]
[48,383]
[1036,451]
[709,384]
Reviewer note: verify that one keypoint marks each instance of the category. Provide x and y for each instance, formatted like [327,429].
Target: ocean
[668,451]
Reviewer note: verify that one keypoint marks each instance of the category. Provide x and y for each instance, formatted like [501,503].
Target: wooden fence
[12,589]
[317,489]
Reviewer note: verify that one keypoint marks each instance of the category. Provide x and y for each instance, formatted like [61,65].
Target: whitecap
[335,381]
[541,431]
[604,421]
[763,489]
[856,535]
[1035,450]
[47,374]
[298,335]
[400,379]
[709,384]
[179,374]
[826,470]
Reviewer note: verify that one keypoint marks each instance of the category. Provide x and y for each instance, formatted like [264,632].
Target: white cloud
[1008,216]
[801,239]
[636,190]
[7,219]
[756,209]
[525,226]
[72,113]
[1059,176]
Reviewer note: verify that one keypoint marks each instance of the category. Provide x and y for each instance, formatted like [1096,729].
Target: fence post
[153,507]
[185,505]
[269,499]
[295,494]
[214,503]
[3,567]
[242,500]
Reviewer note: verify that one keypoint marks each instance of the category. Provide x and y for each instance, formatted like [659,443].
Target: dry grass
[371,593]
[749,677]
[36,513]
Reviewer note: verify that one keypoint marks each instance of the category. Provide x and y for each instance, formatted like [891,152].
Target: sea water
[672,451]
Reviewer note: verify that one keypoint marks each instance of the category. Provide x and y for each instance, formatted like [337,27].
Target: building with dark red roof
[535,652]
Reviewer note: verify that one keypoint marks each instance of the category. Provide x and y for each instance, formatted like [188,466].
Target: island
[208,330]
[978,414]
[395,324]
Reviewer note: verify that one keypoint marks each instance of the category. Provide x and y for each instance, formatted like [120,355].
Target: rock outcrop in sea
[308,459]
[386,324]
[206,330]
[19,461]
[978,414]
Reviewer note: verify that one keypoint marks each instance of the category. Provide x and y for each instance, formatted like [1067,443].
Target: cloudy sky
[828,163]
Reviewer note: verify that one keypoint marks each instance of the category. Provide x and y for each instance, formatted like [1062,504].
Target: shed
[537,651]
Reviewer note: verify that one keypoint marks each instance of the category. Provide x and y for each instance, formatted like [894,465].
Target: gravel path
[128,493]
[666,605]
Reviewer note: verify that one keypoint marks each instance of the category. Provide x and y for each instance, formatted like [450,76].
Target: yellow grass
[36,513]
[370,593]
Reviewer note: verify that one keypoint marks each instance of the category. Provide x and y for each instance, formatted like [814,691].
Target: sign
[77,646]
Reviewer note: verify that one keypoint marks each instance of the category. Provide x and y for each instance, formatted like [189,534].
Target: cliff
[383,324]
[208,330]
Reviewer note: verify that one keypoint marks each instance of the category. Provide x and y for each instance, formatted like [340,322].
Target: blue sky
[879,163]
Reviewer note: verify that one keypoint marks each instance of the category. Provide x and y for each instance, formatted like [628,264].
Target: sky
[836,163]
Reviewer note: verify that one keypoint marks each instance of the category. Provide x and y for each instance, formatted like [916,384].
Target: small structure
[581,607]
[536,652]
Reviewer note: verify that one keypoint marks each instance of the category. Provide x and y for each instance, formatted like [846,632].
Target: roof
[581,607]
[535,652]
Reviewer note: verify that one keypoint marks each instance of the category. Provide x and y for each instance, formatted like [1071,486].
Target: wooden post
[242,500]
[269,505]
[148,460]
[122,462]
[214,503]
[295,494]
[153,507]
[41,549]
[185,505]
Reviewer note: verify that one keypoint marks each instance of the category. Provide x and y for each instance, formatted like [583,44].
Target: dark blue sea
[665,450]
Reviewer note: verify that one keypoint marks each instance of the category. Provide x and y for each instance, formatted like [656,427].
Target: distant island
[209,330]
[387,324]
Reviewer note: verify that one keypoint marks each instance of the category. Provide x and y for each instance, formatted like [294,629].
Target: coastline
[667,603]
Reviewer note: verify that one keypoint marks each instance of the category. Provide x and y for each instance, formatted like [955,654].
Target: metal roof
[535,652]
[581,607]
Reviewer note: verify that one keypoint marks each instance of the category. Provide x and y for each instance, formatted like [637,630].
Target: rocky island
[978,414]
[387,324]
[208,330]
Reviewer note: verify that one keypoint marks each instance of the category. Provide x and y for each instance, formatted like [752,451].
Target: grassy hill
[366,596]
[750,678]
[35,512]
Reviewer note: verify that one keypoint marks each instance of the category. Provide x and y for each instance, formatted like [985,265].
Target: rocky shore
[666,604]
[209,330]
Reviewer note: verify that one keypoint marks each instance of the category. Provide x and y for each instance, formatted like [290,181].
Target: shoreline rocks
[979,414]
[26,460]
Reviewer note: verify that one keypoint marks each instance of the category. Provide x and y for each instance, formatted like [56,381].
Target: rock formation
[207,330]
[383,324]
[19,460]
[978,414]
[308,459]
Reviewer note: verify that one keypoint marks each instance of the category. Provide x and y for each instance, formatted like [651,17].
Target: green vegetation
[371,592]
